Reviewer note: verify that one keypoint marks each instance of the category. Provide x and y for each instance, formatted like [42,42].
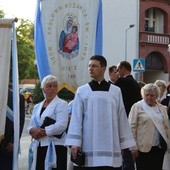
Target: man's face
[96,71]
[120,71]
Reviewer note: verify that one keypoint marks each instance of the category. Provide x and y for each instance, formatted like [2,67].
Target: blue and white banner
[7,30]
[67,34]
[15,88]
[5,53]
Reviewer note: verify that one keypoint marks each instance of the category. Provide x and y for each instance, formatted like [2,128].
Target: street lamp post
[130,26]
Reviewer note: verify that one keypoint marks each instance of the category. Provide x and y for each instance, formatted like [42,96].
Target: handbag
[80,160]
[49,121]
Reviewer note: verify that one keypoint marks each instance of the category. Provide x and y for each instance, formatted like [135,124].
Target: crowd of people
[117,123]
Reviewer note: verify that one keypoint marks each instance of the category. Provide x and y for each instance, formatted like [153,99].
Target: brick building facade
[154,38]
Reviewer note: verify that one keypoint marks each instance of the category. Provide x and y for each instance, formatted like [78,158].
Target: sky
[24,9]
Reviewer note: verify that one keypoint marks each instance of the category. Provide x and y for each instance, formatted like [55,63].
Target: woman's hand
[37,133]
[135,154]
[9,147]
[74,151]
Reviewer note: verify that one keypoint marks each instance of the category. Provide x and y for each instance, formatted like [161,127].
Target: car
[24,90]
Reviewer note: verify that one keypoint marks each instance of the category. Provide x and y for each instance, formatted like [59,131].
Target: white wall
[117,16]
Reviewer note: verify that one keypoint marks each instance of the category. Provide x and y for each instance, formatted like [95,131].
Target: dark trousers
[6,159]
[96,168]
[128,163]
[61,152]
[150,160]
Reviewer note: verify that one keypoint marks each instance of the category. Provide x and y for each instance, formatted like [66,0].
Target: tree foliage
[37,93]
[25,46]
[2,14]
[26,54]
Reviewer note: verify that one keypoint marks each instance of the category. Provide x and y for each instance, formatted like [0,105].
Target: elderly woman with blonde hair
[47,129]
[162,87]
[149,123]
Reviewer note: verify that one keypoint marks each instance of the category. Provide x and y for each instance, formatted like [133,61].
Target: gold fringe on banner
[69,87]
[7,23]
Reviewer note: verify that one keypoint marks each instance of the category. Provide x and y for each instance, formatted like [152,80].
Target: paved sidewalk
[25,142]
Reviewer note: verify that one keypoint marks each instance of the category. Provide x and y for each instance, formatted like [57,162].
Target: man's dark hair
[112,68]
[126,65]
[101,59]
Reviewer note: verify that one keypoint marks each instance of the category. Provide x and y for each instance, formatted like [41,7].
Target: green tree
[2,14]
[37,93]
[25,45]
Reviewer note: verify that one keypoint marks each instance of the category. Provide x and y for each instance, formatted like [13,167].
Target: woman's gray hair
[48,79]
[150,87]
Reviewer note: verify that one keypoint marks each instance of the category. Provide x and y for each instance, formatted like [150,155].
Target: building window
[154,21]
[154,61]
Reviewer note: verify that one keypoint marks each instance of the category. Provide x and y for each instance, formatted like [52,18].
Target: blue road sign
[139,65]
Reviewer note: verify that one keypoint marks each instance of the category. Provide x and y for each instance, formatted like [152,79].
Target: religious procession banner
[5,53]
[8,40]
[67,34]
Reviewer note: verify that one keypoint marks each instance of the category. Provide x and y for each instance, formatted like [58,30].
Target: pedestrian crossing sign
[139,65]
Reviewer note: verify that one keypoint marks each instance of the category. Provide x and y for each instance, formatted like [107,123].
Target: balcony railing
[154,38]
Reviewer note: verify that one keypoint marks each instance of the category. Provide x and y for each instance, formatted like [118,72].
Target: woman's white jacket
[57,110]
